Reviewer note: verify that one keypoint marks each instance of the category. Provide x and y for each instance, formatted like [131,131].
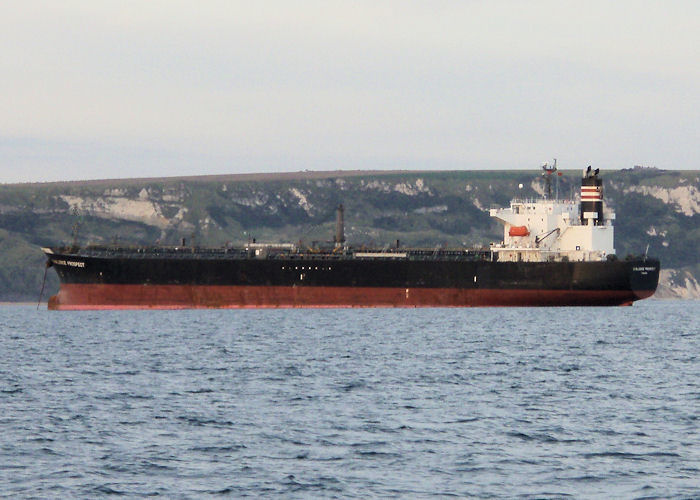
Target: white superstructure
[556,230]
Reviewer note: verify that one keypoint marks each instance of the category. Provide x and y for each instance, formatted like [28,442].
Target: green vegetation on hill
[657,208]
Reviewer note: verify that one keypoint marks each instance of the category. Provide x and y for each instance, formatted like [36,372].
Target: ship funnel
[592,198]
[339,227]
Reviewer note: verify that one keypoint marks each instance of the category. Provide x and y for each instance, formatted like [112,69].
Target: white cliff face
[677,284]
[686,198]
[412,189]
[302,200]
[117,207]
[255,200]
[407,188]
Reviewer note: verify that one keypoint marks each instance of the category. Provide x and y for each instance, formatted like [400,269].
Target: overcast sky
[101,89]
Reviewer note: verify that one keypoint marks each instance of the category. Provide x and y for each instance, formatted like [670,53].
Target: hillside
[657,208]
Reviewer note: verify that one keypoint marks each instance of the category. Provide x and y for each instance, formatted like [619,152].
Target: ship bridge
[555,230]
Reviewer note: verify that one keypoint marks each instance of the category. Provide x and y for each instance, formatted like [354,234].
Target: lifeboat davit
[518,231]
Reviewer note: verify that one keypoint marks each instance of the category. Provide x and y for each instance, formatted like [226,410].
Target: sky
[114,89]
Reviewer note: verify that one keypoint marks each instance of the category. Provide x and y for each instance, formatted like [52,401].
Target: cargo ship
[553,253]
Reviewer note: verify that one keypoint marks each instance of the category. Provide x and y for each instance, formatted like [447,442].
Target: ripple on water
[482,403]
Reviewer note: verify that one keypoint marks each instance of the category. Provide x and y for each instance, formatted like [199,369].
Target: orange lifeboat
[518,231]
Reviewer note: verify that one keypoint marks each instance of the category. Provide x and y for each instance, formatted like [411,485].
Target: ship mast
[547,173]
[339,227]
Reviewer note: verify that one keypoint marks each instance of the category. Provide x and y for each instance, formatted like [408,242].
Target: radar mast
[548,171]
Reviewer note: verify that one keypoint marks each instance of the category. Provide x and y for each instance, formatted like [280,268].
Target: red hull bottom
[100,296]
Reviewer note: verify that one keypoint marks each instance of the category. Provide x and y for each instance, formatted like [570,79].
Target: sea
[352,403]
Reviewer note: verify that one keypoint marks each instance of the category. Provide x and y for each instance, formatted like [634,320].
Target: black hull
[203,280]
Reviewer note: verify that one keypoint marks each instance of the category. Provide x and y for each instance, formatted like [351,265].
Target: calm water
[594,402]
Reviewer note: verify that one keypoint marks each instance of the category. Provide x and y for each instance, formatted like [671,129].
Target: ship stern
[644,277]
